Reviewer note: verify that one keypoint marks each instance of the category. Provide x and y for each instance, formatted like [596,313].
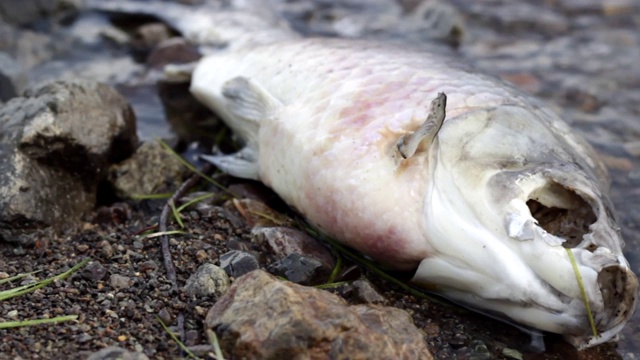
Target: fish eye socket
[562,212]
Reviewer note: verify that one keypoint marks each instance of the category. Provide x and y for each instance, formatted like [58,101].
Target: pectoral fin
[248,100]
[247,104]
[243,164]
[408,144]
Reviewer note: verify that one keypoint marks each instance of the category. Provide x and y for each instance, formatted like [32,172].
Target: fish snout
[619,290]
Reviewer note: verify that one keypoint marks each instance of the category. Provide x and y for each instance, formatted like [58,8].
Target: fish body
[321,119]
[488,210]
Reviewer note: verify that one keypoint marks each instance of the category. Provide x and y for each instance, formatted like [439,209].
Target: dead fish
[482,190]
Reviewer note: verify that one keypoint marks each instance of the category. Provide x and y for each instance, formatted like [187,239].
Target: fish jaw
[493,247]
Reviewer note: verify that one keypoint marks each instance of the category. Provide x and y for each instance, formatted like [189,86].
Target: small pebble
[114,352]
[119,282]
[367,293]
[207,280]
[299,269]
[201,255]
[512,353]
[94,271]
[237,263]
[82,248]
[165,316]
[138,245]
[148,265]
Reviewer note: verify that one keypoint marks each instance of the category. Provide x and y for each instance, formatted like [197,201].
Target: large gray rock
[56,143]
[261,317]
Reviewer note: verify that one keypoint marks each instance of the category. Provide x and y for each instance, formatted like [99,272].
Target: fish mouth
[587,226]
[619,288]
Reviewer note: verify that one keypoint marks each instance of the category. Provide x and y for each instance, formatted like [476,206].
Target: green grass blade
[151,196]
[25,289]
[193,201]
[176,214]
[17,277]
[175,338]
[362,261]
[336,270]
[583,292]
[213,340]
[57,319]
[331,285]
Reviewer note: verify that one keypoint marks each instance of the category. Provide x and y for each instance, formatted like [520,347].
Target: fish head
[521,226]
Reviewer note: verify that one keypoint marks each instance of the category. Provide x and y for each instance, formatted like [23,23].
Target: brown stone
[261,317]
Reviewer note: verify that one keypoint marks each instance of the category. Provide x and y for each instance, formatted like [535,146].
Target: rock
[116,353]
[81,126]
[165,316]
[283,241]
[30,48]
[116,213]
[300,269]
[119,282]
[173,51]
[364,290]
[56,144]
[261,317]
[94,271]
[24,12]
[13,78]
[150,170]
[237,263]
[479,351]
[208,280]
[512,353]
[150,35]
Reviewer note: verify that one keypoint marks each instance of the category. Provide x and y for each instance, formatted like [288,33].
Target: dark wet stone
[94,271]
[116,353]
[237,263]
[208,280]
[299,269]
[261,317]
[173,51]
[57,141]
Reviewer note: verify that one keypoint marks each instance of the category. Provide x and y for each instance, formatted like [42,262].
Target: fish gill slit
[563,213]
